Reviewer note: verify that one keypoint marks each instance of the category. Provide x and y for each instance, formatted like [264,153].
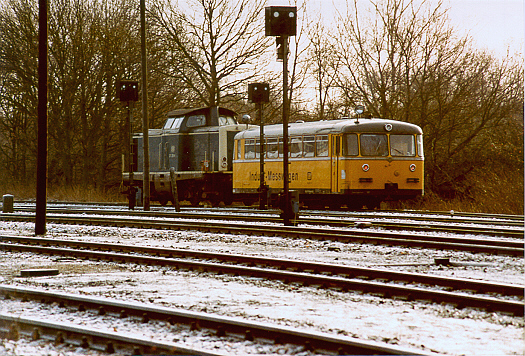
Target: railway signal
[259,93]
[281,21]
[128,92]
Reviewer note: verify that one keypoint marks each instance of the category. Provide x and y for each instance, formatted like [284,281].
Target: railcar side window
[238,149]
[196,120]
[420,145]
[402,145]
[258,148]
[249,149]
[272,146]
[309,146]
[350,147]
[281,149]
[374,145]
[322,146]
[296,146]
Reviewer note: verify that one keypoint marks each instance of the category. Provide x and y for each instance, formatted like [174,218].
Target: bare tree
[215,46]
[323,65]
[18,78]
[407,63]
[91,46]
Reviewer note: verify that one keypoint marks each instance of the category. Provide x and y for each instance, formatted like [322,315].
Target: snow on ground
[414,325]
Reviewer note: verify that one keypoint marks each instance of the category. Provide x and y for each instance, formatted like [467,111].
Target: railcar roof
[335,126]
[205,109]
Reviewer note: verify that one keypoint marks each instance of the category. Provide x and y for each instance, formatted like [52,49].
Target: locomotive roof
[201,110]
[335,126]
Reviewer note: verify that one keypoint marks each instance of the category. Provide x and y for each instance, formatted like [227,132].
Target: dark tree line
[402,61]
[90,47]
[405,62]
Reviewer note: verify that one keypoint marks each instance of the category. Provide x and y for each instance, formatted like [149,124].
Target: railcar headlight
[412,167]
[388,127]
[365,167]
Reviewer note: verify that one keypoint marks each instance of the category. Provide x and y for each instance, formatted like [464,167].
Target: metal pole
[41,170]
[145,120]
[131,198]
[262,185]
[286,112]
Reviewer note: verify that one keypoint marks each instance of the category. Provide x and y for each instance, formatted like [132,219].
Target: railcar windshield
[374,145]
[402,145]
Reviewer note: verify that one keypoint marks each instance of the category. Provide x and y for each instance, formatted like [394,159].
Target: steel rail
[348,236]
[339,220]
[82,336]
[376,213]
[223,325]
[475,286]
[503,220]
[393,291]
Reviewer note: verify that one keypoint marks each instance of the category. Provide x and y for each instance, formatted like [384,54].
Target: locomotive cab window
[402,145]
[173,123]
[227,120]
[350,146]
[196,121]
[374,145]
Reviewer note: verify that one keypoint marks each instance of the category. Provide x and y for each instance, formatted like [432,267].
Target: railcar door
[334,157]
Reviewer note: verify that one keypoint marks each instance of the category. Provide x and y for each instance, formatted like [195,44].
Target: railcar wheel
[163,200]
[228,200]
[373,204]
[248,201]
[194,201]
[214,200]
[334,205]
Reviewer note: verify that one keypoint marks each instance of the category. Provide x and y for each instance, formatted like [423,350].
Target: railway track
[218,326]
[14,327]
[506,226]
[397,238]
[365,280]
[416,214]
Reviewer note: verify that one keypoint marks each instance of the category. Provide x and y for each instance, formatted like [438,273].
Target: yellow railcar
[352,162]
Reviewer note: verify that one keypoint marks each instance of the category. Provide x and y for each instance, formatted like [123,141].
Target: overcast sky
[493,24]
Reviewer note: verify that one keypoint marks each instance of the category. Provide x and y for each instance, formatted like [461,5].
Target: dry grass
[490,194]
[72,193]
